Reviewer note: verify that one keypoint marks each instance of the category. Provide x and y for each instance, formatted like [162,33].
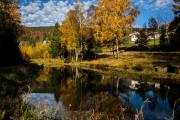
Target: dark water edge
[69,93]
[15,81]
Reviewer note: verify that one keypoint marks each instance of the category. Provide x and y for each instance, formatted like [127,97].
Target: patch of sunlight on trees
[38,51]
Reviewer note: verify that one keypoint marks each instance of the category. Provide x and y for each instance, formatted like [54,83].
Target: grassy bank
[143,64]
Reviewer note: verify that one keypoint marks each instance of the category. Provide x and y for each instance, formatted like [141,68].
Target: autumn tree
[28,39]
[153,25]
[112,20]
[79,15]
[54,42]
[10,30]
[90,45]
[69,39]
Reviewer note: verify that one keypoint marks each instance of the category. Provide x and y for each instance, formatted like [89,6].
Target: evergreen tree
[142,37]
[54,42]
[164,41]
[153,25]
[174,27]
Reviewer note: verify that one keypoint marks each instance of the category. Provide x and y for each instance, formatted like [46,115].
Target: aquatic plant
[139,115]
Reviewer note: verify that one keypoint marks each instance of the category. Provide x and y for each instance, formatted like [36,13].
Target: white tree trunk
[76,55]
[117,47]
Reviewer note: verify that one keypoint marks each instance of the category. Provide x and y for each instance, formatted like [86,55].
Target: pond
[74,93]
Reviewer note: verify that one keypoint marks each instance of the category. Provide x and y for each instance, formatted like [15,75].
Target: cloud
[163,3]
[47,13]
[38,13]
[152,4]
[33,7]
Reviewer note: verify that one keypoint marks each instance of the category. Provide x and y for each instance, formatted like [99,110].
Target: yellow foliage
[44,75]
[112,19]
[38,51]
[69,30]
[71,83]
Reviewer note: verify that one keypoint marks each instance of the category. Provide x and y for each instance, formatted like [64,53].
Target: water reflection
[45,104]
[69,93]
[14,82]
[80,91]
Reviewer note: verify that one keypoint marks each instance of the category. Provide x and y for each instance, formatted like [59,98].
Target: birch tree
[69,39]
[112,19]
[80,19]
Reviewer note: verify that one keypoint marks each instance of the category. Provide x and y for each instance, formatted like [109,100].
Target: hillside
[42,29]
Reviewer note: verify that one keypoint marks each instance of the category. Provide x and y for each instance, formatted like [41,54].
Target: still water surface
[59,93]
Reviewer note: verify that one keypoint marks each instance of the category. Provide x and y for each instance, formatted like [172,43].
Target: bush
[38,51]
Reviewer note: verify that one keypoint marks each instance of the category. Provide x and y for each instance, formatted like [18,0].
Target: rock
[173,69]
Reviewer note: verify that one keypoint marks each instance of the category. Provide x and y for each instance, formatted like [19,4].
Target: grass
[48,62]
[134,63]
[151,42]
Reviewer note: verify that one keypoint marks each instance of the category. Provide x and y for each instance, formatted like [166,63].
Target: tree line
[169,32]
[83,32]
[110,22]
[80,34]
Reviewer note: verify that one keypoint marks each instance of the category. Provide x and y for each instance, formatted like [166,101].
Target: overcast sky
[48,12]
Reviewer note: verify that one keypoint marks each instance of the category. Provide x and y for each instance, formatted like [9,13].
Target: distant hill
[36,33]
[42,29]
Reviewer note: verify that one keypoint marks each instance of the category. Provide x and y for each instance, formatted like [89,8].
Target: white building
[134,36]
[154,35]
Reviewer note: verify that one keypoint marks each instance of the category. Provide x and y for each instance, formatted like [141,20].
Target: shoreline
[130,64]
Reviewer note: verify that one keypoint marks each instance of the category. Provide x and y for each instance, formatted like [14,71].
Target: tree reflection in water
[14,82]
[84,93]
